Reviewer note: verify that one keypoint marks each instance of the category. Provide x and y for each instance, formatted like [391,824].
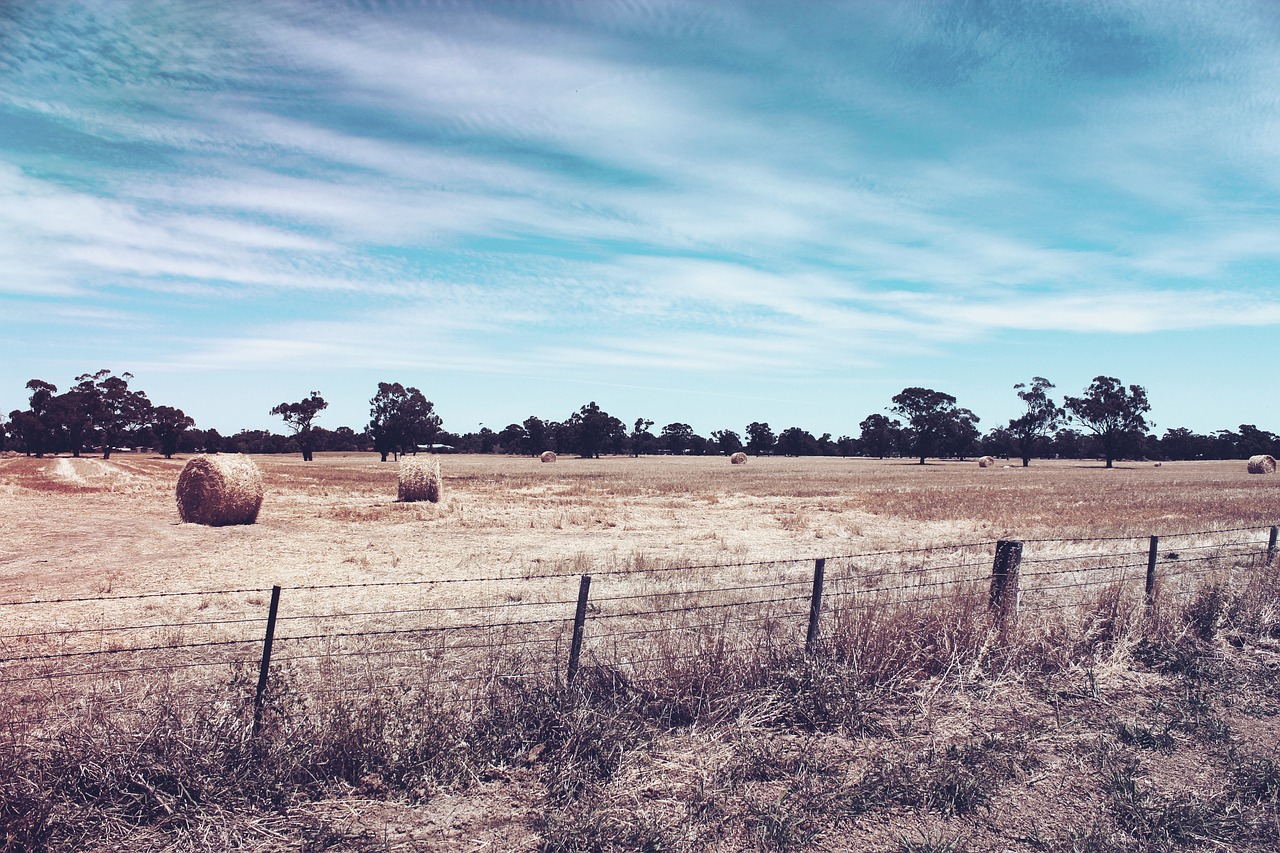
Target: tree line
[1108,421]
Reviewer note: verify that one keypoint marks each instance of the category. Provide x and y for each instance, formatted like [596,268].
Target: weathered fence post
[1152,554]
[1271,546]
[265,667]
[1005,579]
[579,622]
[815,604]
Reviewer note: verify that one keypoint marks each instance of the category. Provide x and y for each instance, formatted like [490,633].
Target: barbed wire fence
[451,639]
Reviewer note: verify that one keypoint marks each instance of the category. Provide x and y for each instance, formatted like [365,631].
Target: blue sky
[711,212]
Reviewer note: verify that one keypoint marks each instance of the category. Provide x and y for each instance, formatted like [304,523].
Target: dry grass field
[922,721]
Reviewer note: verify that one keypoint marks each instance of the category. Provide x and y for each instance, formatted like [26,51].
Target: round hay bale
[986,462]
[547,456]
[1262,464]
[419,479]
[220,490]
[738,458]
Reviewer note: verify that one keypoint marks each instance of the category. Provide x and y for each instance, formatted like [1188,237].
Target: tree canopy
[400,419]
[1041,417]
[933,419]
[298,417]
[1112,412]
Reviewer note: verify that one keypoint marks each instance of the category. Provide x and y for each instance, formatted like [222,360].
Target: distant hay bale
[419,479]
[547,456]
[986,462]
[1262,464]
[220,490]
[738,458]
[1157,464]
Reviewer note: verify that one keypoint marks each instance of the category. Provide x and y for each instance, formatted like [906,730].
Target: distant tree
[759,438]
[513,438]
[1042,417]
[933,419]
[642,441]
[212,441]
[879,434]
[1254,441]
[727,441]
[422,424]
[486,440]
[826,447]
[539,436]
[997,442]
[594,430]
[298,418]
[676,437]
[794,441]
[961,434]
[34,426]
[68,419]
[1111,412]
[847,445]
[1182,443]
[400,419]
[114,409]
[26,431]
[167,425]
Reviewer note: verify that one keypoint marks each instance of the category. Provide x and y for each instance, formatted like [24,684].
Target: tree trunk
[1026,461]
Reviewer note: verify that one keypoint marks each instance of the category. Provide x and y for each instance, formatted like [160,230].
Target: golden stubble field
[1096,727]
[87,526]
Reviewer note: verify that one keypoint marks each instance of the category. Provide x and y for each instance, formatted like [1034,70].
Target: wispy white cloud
[725,187]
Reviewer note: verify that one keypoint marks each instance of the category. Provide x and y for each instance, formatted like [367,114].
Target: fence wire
[468,631]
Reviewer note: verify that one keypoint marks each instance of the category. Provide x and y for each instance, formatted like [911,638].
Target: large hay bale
[1262,464]
[419,479]
[220,490]
[738,458]
[986,462]
[547,456]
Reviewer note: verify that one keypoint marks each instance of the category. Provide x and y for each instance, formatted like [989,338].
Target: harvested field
[923,719]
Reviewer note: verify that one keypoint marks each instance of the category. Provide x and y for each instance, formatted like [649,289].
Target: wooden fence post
[579,623]
[1271,547]
[1005,589]
[815,604]
[1152,554]
[265,667]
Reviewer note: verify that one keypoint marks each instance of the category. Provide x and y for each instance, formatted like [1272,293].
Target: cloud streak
[719,190]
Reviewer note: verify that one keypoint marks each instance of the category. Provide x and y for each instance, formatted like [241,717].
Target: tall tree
[513,438]
[168,424]
[594,430]
[961,434]
[794,441]
[932,418]
[114,409]
[642,440]
[878,435]
[760,438]
[298,417]
[676,437]
[400,419]
[1041,418]
[727,441]
[538,435]
[35,426]
[1112,412]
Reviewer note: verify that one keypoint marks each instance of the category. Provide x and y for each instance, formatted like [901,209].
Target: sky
[705,212]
